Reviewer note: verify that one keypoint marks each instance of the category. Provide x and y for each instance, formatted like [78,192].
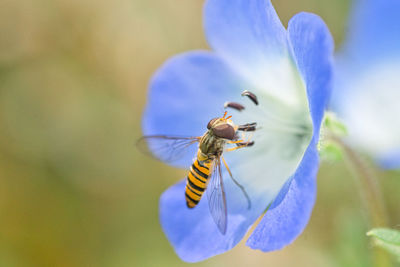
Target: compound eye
[211,122]
[225,131]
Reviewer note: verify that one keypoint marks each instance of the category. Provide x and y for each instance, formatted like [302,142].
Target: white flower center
[284,130]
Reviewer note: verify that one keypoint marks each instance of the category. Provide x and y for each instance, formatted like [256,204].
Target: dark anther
[225,131]
[246,144]
[250,95]
[211,122]
[248,127]
[234,105]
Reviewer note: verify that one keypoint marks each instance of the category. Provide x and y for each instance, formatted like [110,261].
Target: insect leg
[237,183]
[248,143]
[235,142]
[240,145]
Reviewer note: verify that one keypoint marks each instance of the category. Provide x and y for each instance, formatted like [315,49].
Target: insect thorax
[211,145]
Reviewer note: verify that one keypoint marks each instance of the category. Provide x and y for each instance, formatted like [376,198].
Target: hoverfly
[205,173]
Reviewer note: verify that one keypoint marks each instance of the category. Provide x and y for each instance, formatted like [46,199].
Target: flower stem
[370,193]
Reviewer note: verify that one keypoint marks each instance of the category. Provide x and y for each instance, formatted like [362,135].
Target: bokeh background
[74,189]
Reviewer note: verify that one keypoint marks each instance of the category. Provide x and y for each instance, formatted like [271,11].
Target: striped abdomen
[197,180]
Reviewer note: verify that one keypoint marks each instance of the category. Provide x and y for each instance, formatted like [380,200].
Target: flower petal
[313,51]
[312,47]
[390,160]
[193,232]
[185,93]
[248,33]
[359,100]
[281,225]
[374,31]
[251,38]
[367,79]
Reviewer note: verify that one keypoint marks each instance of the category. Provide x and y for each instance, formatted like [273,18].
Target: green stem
[369,184]
[370,192]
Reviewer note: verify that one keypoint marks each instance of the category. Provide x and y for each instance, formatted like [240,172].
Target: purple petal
[248,34]
[313,51]
[281,225]
[391,160]
[193,232]
[312,47]
[366,79]
[374,31]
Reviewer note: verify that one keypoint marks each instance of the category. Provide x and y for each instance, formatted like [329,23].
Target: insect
[205,173]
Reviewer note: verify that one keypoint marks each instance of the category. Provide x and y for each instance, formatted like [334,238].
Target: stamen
[250,95]
[225,114]
[234,105]
[248,127]
[246,144]
[229,117]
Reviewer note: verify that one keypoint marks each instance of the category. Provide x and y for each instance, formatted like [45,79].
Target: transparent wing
[241,187]
[216,197]
[167,148]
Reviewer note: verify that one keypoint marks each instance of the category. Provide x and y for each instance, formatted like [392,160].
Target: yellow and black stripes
[197,181]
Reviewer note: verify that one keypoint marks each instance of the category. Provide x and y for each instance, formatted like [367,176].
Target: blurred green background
[74,189]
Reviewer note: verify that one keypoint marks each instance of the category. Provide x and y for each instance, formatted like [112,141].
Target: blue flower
[367,88]
[290,73]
